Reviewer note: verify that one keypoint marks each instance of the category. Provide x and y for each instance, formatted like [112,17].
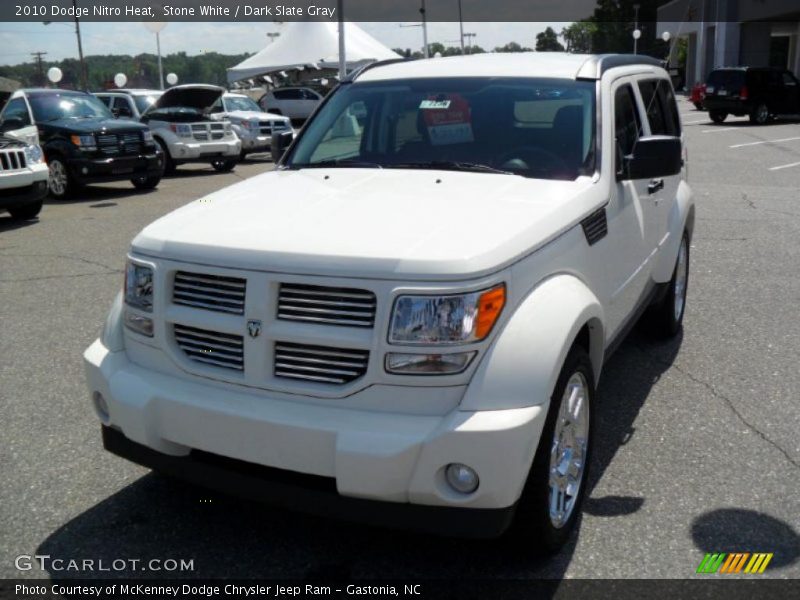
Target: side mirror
[653,156]
[11,124]
[280,143]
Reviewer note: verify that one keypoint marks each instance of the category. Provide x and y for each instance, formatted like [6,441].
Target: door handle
[655,185]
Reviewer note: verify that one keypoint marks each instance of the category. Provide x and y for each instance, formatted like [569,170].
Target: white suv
[294,102]
[23,178]
[181,124]
[252,126]
[418,312]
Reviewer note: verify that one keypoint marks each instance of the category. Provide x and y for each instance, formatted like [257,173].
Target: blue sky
[18,40]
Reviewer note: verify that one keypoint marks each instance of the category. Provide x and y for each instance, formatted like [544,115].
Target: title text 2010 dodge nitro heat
[414,308]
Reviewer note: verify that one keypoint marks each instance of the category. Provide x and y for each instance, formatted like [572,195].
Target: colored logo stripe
[734,562]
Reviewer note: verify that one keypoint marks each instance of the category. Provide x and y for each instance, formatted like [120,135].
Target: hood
[199,97]
[95,125]
[375,223]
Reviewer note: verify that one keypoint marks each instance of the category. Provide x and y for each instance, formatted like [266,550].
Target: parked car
[181,124]
[761,93]
[82,141]
[129,103]
[23,178]
[252,126]
[698,95]
[297,103]
[410,326]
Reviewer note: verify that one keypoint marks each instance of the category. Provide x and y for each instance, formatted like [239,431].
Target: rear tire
[664,319]
[545,516]
[224,165]
[27,212]
[146,182]
[698,106]
[760,114]
[718,116]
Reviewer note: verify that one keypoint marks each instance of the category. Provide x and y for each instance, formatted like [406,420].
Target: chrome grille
[268,127]
[12,160]
[209,292]
[319,363]
[124,143]
[328,305]
[223,350]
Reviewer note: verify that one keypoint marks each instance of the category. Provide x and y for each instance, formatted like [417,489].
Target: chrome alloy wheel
[58,178]
[681,275]
[569,449]
[762,113]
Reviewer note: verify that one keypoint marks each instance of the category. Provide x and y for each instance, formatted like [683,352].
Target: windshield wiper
[336,163]
[448,165]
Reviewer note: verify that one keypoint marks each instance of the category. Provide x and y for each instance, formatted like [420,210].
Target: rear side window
[728,79]
[17,109]
[627,125]
[659,102]
[288,94]
[105,100]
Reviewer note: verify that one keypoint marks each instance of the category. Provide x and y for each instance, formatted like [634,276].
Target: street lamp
[272,35]
[461,26]
[636,31]
[470,36]
[84,77]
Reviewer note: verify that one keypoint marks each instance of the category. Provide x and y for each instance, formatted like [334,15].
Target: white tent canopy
[312,43]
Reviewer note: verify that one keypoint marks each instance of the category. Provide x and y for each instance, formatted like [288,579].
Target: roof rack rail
[379,63]
[595,66]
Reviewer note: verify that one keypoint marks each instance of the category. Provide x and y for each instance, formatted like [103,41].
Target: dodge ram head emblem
[254,328]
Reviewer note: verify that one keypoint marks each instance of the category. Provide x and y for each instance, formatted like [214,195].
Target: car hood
[94,125]
[199,97]
[376,223]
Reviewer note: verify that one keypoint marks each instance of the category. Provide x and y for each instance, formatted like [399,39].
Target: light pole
[424,30]
[471,36]
[342,57]
[83,75]
[636,33]
[461,26]
[272,35]
[156,27]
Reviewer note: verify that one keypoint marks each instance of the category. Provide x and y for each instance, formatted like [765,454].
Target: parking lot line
[779,167]
[716,129]
[790,139]
[706,120]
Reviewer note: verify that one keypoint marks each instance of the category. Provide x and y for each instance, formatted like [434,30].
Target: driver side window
[627,123]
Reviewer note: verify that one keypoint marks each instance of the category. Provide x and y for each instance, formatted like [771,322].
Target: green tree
[579,36]
[547,41]
[512,47]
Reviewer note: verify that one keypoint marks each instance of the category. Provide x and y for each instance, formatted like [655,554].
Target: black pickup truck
[82,141]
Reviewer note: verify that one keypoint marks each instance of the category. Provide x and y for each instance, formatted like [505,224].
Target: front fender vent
[595,226]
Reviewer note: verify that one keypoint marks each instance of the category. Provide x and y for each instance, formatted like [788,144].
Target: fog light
[462,478]
[428,364]
[101,408]
[138,323]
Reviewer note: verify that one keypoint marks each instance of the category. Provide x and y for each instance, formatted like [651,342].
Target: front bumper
[98,170]
[174,422]
[256,143]
[18,197]
[204,151]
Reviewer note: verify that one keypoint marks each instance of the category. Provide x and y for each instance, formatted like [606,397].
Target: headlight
[147,136]
[84,142]
[33,155]
[451,319]
[182,129]
[227,127]
[139,286]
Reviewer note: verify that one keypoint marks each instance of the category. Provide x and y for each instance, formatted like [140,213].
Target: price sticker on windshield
[448,119]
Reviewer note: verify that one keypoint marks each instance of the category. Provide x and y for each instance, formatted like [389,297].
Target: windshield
[541,128]
[240,103]
[49,107]
[145,102]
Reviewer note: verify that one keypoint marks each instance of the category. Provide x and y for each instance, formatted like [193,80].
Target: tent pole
[342,58]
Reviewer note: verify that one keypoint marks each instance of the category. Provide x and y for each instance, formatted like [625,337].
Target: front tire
[551,501]
[224,165]
[27,212]
[718,116]
[60,181]
[169,164]
[146,182]
[666,318]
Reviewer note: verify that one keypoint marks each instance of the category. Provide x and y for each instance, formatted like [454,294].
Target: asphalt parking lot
[698,450]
